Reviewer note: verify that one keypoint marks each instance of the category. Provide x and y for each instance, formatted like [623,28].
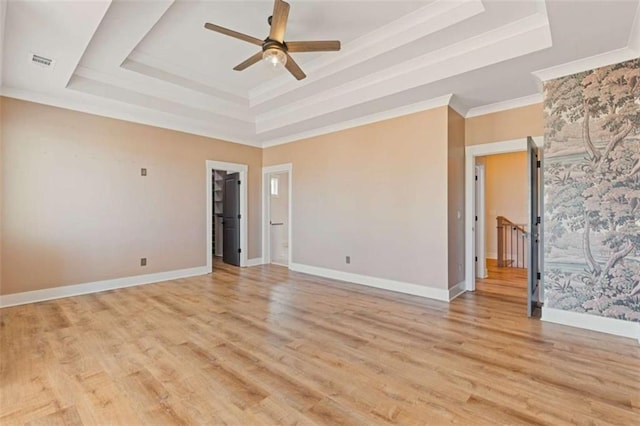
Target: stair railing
[512,244]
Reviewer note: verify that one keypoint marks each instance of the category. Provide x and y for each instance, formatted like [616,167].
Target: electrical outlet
[143,172]
[347,259]
[143,261]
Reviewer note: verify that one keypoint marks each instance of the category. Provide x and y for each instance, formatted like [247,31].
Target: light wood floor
[264,346]
[504,283]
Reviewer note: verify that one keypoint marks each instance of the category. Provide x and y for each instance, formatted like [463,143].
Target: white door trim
[479,236]
[266,234]
[471,152]
[243,169]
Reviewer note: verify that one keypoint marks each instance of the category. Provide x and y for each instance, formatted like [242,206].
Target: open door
[479,224]
[279,218]
[533,284]
[231,224]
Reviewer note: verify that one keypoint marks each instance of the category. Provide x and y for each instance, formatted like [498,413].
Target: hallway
[504,283]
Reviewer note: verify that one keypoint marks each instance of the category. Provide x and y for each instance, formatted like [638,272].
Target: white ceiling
[151,61]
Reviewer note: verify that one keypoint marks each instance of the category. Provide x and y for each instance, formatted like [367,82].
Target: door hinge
[476,218]
[538,221]
[538,163]
[538,276]
[239,182]
[476,177]
[476,258]
[239,250]
[239,216]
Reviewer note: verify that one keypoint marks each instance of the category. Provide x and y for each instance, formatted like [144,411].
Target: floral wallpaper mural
[592,192]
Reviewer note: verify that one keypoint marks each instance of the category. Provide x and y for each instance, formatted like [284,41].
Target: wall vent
[42,61]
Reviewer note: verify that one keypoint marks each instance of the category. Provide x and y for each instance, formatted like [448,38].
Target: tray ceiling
[153,62]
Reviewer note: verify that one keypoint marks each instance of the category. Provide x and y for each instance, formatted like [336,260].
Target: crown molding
[362,121]
[631,51]
[203,103]
[458,106]
[127,112]
[504,105]
[150,66]
[100,106]
[518,38]
[586,64]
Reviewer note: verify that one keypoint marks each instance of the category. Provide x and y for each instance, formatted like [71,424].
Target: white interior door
[479,218]
[279,218]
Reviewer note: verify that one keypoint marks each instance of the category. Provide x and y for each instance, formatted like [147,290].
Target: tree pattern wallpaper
[592,192]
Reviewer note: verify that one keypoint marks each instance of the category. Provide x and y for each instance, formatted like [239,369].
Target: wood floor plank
[264,345]
[66,417]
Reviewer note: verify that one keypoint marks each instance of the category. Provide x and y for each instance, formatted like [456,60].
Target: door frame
[479,207]
[266,192]
[242,169]
[471,152]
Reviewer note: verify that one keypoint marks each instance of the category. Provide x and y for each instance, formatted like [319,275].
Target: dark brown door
[533,285]
[231,232]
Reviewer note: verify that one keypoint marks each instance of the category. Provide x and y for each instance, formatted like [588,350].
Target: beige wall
[505,125]
[455,177]
[377,193]
[505,193]
[1,184]
[75,208]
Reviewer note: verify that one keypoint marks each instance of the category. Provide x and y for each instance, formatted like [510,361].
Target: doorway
[502,210]
[277,191]
[226,210]
[502,228]
[230,222]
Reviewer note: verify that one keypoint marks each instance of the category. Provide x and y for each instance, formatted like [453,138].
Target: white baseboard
[398,286]
[97,286]
[492,256]
[255,261]
[457,290]
[592,322]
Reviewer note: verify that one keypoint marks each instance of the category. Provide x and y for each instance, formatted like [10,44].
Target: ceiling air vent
[42,61]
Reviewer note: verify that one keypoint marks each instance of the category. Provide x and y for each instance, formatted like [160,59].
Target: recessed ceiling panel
[179,39]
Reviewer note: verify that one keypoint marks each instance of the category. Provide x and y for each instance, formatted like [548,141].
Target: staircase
[512,244]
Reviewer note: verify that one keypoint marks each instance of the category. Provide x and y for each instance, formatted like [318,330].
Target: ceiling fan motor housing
[274,44]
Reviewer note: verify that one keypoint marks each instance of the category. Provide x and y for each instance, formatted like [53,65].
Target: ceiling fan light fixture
[274,56]
[275,51]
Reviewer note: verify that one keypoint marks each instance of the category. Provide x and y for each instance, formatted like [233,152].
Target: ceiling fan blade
[279,20]
[294,68]
[313,46]
[252,60]
[233,34]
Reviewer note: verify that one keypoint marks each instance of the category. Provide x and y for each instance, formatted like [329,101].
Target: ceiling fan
[274,49]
